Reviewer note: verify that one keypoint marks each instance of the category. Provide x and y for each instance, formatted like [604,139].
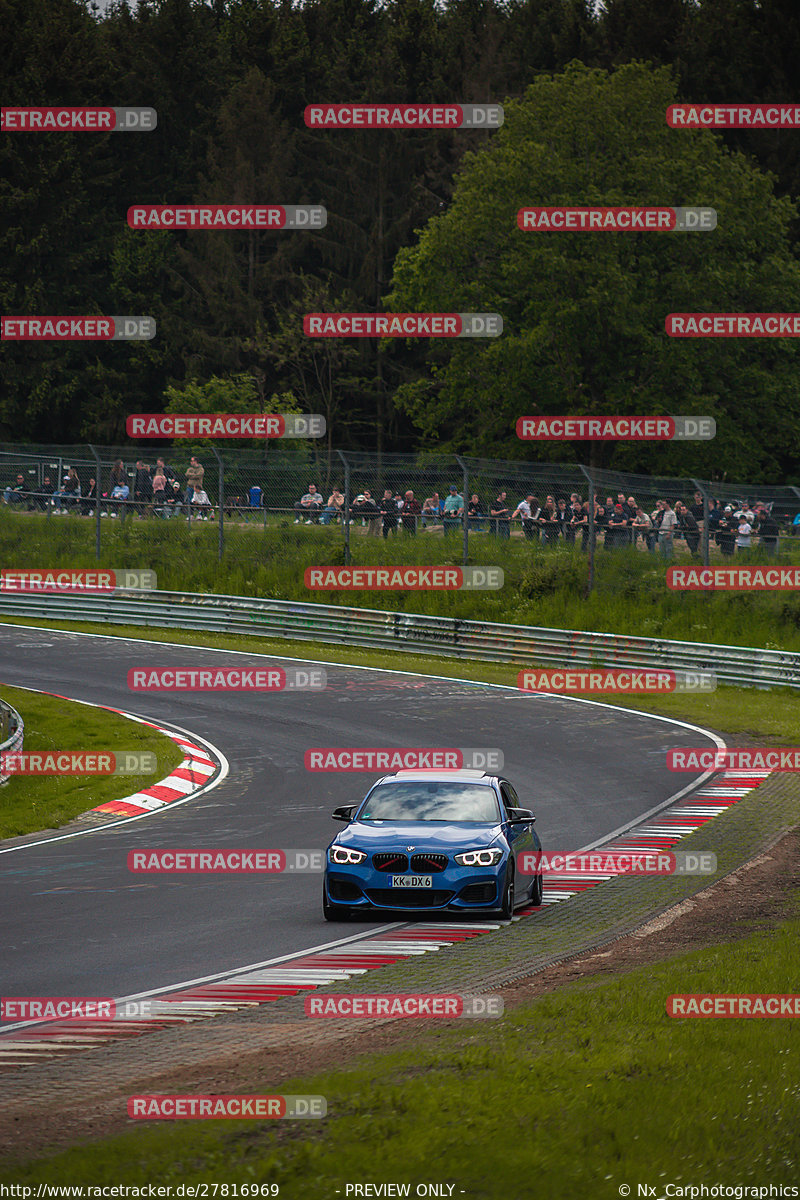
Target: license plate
[401,881]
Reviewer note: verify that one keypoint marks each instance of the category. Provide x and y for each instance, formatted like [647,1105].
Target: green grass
[572,1094]
[542,587]
[28,803]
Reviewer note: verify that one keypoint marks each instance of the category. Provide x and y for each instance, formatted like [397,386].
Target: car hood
[422,835]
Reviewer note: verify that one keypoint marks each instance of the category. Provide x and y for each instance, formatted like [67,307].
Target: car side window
[510,799]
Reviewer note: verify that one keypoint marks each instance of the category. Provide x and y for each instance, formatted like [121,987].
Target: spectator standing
[726,532]
[744,530]
[666,530]
[142,489]
[411,513]
[194,477]
[580,521]
[689,527]
[389,513]
[372,514]
[524,511]
[475,514]
[159,485]
[617,532]
[642,526]
[769,531]
[696,508]
[550,524]
[453,510]
[500,523]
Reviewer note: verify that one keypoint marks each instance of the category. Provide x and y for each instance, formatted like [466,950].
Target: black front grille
[409,897]
[479,893]
[390,861]
[340,889]
[425,864]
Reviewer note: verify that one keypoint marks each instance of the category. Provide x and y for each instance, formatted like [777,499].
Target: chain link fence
[274,502]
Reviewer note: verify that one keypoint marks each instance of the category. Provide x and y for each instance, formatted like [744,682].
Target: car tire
[536,891]
[333,912]
[507,907]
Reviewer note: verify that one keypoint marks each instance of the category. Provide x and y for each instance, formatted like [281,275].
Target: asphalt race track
[74,921]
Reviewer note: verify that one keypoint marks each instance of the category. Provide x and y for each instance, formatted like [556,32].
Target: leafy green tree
[584,312]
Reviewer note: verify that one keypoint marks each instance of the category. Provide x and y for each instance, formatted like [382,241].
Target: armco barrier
[10,720]
[524,644]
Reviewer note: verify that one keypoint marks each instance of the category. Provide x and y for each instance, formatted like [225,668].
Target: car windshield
[473,803]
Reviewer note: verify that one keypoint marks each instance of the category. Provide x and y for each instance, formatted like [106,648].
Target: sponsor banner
[734,116]
[83,120]
[227,679]
[732,325]
[225,425]
[99,582]
[57,1008]
[78,762]
[227,216]
[226,862]
[403,579]
[601,862]
[402,325]
[733,579]
[587,219]
[77,329]
[569,680]
[232,1108]
[735,758]
[356,758]
[393,1004]
[616,429]
[715,1004]
[404,116]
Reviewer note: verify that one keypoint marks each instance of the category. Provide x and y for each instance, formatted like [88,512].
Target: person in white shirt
[202,505]
[528,511]
[743,536]
[666,530]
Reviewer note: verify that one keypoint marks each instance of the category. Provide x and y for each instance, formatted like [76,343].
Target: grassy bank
[29,803]
[542,587]
[545,1100]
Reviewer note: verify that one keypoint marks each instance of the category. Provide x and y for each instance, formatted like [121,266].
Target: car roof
[462,775]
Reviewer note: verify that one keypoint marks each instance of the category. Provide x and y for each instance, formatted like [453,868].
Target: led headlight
[479,858]
[342,855]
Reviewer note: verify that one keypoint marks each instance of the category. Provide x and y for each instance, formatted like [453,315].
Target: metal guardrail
[10,723]
[412,633]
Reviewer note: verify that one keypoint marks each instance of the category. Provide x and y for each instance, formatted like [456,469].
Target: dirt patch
[82,1097]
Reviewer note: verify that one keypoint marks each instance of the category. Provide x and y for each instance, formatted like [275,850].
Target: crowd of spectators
[618,522]
[158,490]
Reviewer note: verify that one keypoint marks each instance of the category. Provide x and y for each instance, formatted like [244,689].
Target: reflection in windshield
[470,802]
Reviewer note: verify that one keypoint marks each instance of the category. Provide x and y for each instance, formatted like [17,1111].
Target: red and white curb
[665,830]
[308,970]
[195,770]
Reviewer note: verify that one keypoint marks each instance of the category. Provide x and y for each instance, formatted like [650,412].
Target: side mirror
[520,816]
[344,812]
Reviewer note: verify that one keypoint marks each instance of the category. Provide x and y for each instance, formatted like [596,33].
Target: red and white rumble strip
[195,771]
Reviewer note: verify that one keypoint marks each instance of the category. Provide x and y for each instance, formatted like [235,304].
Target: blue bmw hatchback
[432,840]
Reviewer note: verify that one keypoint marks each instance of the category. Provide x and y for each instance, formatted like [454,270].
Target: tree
[584,312]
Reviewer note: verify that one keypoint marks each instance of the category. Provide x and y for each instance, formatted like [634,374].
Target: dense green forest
[415,219]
